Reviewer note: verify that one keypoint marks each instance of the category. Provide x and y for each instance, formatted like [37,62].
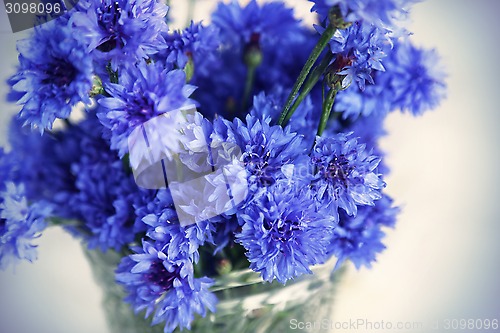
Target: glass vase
[246,303]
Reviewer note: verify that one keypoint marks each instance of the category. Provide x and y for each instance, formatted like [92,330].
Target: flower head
[283,232]
[143,92]
[121,31]
[345,174]
[20,225]
[43,165]
[269,23]
[55,73]
[359,49]
[417,78]
[193,42]
[268,151]
[165,288]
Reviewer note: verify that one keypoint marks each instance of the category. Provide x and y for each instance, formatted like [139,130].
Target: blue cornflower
[283,232]
[121,31]
[359,238]
[43,165]
[144,92]
[269,152]
[105,192]
[20,224]
[345,174]
[382,13]
[359,49]
[269,23]
[164,287]
[55,73]
[195,41]
[417,78]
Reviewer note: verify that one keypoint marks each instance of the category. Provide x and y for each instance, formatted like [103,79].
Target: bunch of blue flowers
[251,141]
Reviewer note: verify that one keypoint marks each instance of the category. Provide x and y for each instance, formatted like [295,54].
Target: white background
[442,259]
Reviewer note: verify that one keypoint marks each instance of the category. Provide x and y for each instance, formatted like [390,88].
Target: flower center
[282,230]
[259,167]
[159,275]
[62,73]
[337,170]
[108,21]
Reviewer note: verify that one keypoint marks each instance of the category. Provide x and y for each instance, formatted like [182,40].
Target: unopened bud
[189,68]
[224,267]
[252,55]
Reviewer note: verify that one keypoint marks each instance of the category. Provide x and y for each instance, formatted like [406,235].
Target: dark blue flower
[283,232]
[254,29]
[417,78]
[345,174]
[195,42]
[271,22]
[165,288]
[20,225]
[382,13]
[144,92]
[359,238]
[55,73]
[104,191]
[43,165]
[121,31]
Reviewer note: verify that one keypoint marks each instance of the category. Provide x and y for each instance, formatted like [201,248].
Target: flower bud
[252,54]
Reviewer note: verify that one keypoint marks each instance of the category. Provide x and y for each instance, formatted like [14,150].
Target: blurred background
[441,261]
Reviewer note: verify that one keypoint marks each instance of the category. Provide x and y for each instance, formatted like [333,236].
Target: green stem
[327,109]
[316,52]
[309,85]
[248,86]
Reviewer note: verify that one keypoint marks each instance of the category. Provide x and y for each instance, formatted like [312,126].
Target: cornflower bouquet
[247,143]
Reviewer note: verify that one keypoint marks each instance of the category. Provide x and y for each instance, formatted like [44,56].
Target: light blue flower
[283,232]
[345,174]
[20,225]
